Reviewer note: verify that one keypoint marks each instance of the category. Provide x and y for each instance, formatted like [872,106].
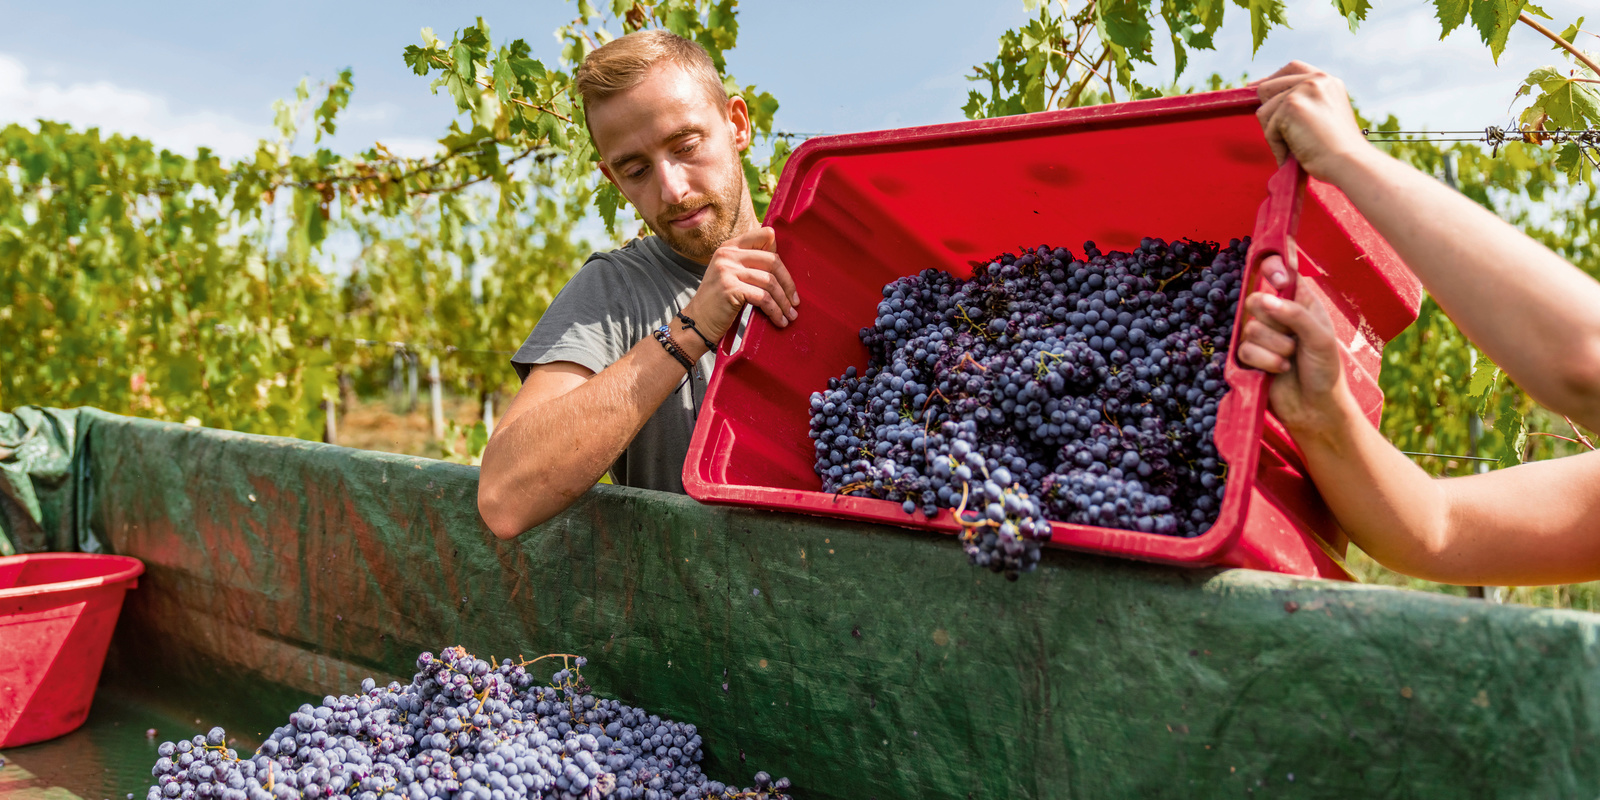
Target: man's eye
[636,173]
[688,148]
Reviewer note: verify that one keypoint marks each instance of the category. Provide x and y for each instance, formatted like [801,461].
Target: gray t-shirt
[618,298]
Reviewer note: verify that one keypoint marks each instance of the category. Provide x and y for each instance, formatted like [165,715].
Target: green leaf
[419,59]
[1125,23]
[1513,428]
[1451,14]
[762,107]
[1263,15]
[1569,158]
[1485,374]
[1494,20]
[477,439]
[1570,103]
[1354,11]
[1570,33]
[973,108]
[461,62]
[505,77]
[608,200]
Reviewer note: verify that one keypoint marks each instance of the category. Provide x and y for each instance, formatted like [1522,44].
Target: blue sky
[189,73]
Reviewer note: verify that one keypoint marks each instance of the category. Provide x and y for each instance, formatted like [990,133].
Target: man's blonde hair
[621,64]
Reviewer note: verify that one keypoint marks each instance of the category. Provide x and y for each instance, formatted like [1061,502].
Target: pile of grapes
[463,729]
[1047,386]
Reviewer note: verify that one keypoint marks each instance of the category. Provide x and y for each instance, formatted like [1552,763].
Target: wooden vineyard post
[436,398]
[411,382]
[330,427]
[488,413]
[397,378]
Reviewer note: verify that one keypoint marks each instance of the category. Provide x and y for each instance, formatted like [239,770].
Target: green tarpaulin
[861,661]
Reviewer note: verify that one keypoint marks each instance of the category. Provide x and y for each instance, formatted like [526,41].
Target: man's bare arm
[567,425]
[565,428]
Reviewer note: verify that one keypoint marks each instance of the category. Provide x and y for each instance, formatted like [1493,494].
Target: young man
[604,386]
[1535,314]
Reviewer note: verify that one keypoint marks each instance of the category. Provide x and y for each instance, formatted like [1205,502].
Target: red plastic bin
[857,211]
[57,611]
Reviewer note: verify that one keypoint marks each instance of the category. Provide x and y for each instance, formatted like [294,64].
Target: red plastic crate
[855,212]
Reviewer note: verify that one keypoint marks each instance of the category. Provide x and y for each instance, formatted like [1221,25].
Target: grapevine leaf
[608,200]
[1570,34]
[1513,428]
[1354,11]
[419,59]
[528,72]
[762,106]
[974,105]
[1494,20]
[505,77]
[461,62]
[1263,15]
[337,99]
[1570,103]
[1126,23]
[1451,14]
[477,439]
[476,37]
[1191,26]
[1569,158]
[1485,374]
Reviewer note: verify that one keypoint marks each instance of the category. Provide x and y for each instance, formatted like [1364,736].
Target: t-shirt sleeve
[588,323]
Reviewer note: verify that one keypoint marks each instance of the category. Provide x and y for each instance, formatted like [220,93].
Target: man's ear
[606,171]
[739,120]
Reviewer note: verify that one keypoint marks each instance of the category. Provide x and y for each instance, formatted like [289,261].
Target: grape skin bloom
[463,729]
[1047,386]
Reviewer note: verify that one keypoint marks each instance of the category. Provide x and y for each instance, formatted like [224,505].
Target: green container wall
[861,661]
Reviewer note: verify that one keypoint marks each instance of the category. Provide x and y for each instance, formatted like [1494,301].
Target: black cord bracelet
[689,325]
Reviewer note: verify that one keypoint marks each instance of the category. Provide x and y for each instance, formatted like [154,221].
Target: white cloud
[118,109]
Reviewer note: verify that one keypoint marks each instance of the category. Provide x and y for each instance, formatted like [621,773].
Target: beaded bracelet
[663,335]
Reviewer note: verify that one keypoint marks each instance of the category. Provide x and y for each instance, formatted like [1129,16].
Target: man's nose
[674,183]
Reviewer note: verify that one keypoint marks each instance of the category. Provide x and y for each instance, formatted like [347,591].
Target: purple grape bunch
[462,729]
[1082,389]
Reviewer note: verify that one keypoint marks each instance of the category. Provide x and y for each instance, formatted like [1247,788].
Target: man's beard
[726,201]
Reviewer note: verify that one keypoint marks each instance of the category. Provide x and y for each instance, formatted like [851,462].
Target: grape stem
[1162,286]
[966,358]
[979,329]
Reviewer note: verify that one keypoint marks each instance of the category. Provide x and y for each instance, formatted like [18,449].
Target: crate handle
[1277,220]
[1276,224]
[733,344]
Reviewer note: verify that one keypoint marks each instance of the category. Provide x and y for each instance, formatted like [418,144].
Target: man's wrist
[703,324]
[686,339]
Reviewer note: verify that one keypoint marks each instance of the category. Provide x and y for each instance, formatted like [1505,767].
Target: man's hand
[1294,340]
[745,270]
[1305,112]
